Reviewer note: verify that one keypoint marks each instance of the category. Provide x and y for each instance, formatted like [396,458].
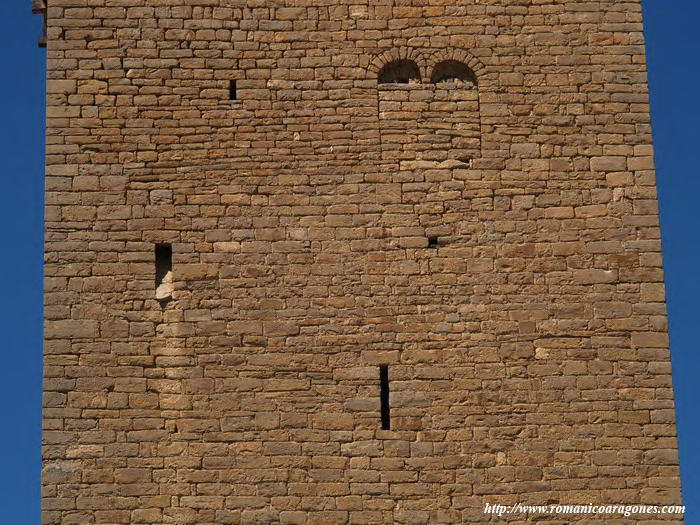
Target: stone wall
[493,239]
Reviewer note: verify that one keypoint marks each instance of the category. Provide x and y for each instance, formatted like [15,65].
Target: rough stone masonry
[345,262]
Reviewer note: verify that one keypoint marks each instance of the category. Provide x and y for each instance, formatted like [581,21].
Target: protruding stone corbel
[39,6]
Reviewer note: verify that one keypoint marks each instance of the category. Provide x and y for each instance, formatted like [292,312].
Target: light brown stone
[483,223]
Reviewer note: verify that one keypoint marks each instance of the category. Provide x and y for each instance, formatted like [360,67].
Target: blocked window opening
[433,241]
[384,396]
[164,273]
[232,91]
[399,72]
[453,71]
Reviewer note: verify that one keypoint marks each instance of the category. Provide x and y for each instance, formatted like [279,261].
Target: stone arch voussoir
[400,53]
[483,78]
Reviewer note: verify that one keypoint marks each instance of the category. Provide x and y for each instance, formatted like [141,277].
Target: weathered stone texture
[494,240]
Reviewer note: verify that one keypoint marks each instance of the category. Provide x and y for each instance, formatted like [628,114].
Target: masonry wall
[495,243]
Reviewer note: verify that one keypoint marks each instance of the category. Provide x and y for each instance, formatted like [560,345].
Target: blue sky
[673,45]
[673,48]
[22,96]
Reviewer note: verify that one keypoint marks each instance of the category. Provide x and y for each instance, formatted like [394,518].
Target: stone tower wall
[493,240]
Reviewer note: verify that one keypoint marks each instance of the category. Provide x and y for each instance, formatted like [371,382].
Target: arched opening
[399,72]
[453,71]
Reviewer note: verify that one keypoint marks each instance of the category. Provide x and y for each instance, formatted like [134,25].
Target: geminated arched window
[399,72]
[453,71]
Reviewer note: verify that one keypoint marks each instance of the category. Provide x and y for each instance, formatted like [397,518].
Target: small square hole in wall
[433,241]
[232,91]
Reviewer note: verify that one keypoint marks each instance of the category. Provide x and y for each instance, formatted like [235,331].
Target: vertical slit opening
[164,273]
[232,93]
[384,396]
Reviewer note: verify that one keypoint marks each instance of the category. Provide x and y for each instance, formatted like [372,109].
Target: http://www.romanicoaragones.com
[590,509]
